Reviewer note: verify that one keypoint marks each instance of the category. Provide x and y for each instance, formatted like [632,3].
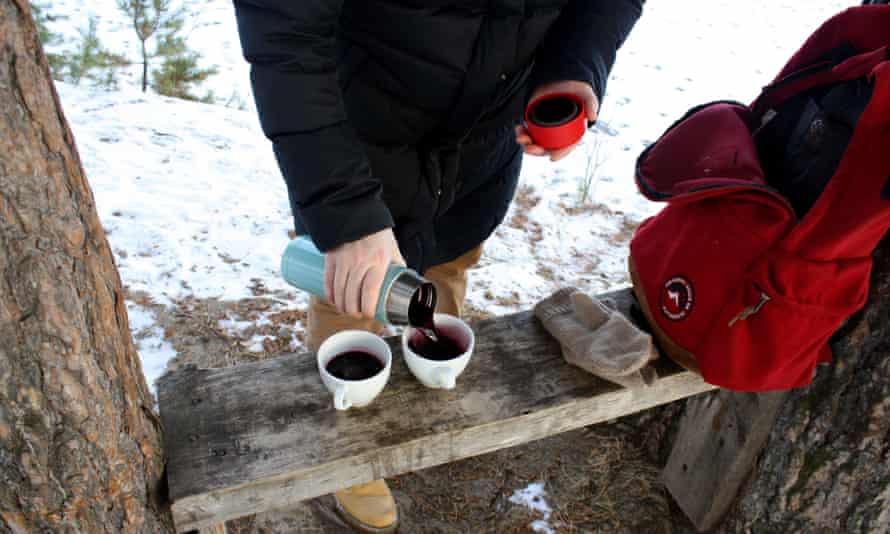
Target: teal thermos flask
[406,298]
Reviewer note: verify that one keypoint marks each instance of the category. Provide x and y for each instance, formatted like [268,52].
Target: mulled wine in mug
[354,366]
[438,359]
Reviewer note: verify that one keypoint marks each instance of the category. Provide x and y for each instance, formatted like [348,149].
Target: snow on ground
[154,350]
[189,193]
[195,207]
[191,199]
[533,498]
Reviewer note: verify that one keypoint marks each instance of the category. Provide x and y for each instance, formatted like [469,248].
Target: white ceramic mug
[354,393]
[440,374]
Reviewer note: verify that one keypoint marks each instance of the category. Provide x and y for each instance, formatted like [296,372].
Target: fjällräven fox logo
[677,298]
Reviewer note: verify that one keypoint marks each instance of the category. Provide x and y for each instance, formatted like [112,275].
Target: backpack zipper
[751,310]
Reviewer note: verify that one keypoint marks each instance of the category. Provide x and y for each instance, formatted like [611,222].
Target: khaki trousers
[450,279]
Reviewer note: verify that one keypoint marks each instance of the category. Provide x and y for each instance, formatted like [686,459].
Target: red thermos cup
[556,121]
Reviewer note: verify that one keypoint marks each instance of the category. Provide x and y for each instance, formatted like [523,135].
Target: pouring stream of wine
[430,333]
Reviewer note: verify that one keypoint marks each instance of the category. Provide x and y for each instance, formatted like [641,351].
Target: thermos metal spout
[405,298]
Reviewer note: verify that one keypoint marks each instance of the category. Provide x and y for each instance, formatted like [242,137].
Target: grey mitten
[597,339]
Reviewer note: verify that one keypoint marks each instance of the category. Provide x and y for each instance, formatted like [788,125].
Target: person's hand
[583,90]
[353,272]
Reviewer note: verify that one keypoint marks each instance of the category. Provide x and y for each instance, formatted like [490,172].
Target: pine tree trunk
[144,68]
[826,465]
[80,447]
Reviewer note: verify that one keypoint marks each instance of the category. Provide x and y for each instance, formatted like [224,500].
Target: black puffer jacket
[399,112]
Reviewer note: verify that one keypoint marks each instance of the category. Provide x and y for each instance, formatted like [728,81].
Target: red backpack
[756,261]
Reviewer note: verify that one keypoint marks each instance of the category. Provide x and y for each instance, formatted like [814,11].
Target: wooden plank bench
[264,435]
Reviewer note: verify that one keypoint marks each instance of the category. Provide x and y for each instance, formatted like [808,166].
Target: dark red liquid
[446,346]
[354,365]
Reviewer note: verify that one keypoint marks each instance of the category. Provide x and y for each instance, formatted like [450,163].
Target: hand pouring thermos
[405,296]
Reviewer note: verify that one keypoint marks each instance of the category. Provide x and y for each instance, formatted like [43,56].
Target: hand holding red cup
[556,118]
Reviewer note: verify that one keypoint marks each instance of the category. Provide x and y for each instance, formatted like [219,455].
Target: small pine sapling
[91,61]
[158,26]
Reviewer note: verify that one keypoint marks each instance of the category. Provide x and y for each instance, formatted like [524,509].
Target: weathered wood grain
[264,435]
[717,444]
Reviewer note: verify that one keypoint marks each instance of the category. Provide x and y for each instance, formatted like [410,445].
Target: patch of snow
[154,350]
[234,326]
[295,344]
[532,497]
[256,342]
[190,194]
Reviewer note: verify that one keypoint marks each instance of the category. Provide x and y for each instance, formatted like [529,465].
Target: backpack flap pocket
[709,149]
[774,329]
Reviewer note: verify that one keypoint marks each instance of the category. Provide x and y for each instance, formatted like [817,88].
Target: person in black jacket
[396,127]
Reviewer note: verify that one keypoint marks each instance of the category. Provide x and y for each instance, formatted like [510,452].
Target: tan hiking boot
[369,507]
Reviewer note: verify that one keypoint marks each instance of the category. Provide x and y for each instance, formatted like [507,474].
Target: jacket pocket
[775,327]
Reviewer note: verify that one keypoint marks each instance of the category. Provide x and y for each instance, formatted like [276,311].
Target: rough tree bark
[80,447]
[826,465]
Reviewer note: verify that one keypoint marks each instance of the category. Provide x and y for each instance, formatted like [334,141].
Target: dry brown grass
[508,300]
[192,326]
[547,273]
[596,479]
[587,209]
[524,201]
[626,230]
[615,481]
[473,313]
